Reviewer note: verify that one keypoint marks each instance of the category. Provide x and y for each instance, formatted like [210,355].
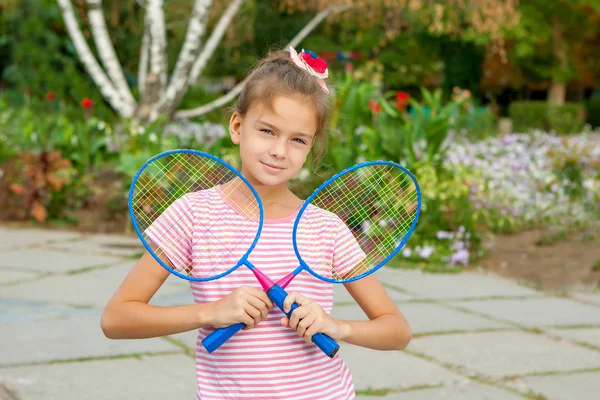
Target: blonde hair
[277,75]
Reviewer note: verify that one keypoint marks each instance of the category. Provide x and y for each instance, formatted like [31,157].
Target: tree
[556,40]
[161,94]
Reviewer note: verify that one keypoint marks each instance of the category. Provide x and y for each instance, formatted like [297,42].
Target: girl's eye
[267,131]
[300,141]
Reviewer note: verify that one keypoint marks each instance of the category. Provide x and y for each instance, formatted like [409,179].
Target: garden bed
[547,259]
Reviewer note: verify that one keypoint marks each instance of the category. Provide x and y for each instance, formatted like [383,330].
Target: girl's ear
[235,127]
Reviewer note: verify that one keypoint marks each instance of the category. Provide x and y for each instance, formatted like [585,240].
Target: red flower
[402,100]
[87,103]
[50,96]
[374,106]
[402,96]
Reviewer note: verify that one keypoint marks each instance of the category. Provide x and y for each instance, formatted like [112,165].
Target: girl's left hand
[310,318]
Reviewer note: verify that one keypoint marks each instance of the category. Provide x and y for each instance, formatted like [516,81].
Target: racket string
[167,179]
[378,203]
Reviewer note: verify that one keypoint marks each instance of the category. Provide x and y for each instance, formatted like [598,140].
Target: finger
[306,323]
[262,296]
[246,319]
[259,305]
[295,297]
[297,315]
[253,312]
[285,321]
[310,332]
[289,300]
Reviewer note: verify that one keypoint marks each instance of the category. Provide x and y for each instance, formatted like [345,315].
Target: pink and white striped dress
[268,361]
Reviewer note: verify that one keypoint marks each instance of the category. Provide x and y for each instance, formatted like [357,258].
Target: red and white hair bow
[308,61]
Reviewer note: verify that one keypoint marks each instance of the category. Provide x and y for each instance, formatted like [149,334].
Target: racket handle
[220,336]
[324,342]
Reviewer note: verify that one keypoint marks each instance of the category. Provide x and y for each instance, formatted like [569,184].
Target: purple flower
[460,257]
[426,251]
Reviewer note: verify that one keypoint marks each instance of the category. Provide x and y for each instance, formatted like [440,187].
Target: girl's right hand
[245,304]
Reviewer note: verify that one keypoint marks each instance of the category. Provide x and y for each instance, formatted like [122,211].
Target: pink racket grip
[323,342]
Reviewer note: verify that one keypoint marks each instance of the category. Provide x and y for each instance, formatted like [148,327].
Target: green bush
[567,118]
[593,112]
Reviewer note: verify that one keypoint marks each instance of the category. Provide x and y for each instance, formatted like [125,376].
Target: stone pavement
[475,336]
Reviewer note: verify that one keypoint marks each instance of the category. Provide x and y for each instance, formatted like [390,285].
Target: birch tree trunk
[107,53]
[90,63]
[191,48]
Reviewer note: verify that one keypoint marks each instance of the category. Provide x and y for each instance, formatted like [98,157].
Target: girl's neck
[278,201]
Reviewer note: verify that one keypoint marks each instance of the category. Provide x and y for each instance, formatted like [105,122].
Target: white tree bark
[214,40]
[192,45]
[90,63]
[106,51]
[221,101]
[158,41]
[143,66]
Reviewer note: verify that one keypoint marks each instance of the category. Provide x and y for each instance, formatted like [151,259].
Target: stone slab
[120,271]
[49,261]
[188,339]
[92,289]
[453,286]
[70,338]
[392,369]
[16,310]
[149,378]
[593,298]
[585,385]
[500,354]
[104,244]
[466,391]
[11,238]
[589,336]
[427,318]
[547,311]
[341,295]
[8,275]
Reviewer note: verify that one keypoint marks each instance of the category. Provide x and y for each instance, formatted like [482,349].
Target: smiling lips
[272,168]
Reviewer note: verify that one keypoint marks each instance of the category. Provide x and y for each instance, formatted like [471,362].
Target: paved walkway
[475,336]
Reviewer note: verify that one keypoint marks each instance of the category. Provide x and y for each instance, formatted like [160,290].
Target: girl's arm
[387,329]
[129,316]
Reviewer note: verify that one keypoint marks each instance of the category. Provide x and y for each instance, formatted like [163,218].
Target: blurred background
[494,105]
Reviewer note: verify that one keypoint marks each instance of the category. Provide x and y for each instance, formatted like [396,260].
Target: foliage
[550,30]
[35,179]
[567,118]
[44,59]
[593,111]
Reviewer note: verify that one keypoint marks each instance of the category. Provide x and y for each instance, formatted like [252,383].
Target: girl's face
[274,143]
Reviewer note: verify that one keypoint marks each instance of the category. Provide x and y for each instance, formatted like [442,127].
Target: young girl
[279,117]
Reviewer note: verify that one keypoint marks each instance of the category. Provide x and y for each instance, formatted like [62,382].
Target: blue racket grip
[324,342]
[220,336]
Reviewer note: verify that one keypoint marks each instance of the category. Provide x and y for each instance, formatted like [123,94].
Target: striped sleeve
[171,233]
[347,252]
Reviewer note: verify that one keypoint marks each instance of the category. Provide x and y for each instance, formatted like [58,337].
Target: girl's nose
[278,149]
